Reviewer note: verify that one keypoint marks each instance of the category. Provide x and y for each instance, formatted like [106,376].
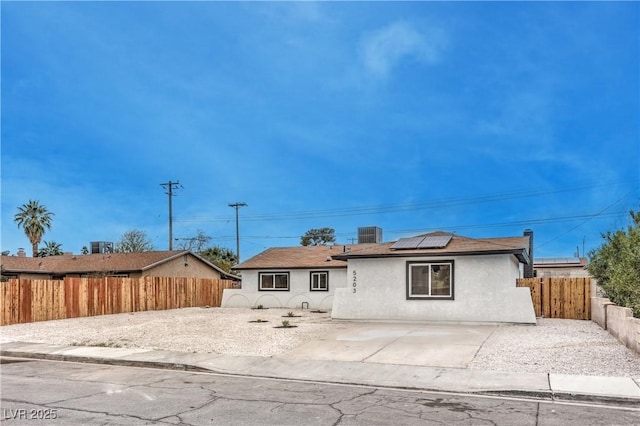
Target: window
[278,281]
[430,280]
[319,281]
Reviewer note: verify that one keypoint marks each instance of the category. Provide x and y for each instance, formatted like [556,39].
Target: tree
[84,250]
[134,241]
[35,219]
[3,277]
[317,237]
[222,257]
[195,244]
[616,265]
[51,248]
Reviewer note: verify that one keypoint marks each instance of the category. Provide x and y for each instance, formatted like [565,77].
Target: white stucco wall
[299,291]
[484,290]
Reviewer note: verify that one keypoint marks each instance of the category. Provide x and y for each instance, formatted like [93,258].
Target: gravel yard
[553,346]
[557,346]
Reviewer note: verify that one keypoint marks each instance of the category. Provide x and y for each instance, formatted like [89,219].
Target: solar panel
[436,241]
[439,241]
[407,243]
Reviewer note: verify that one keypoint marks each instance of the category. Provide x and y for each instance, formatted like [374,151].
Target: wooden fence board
[42,300]
[568,298]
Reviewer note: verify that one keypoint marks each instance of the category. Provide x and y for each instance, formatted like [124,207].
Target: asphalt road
[51,392]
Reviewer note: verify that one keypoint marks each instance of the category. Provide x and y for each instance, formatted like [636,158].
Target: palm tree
[51,248]
[34,219]
[222,257]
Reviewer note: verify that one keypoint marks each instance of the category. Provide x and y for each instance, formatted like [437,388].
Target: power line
[600,213]
[525,222]
[399,207]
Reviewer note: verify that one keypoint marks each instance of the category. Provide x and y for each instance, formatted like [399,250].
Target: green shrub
[616,265]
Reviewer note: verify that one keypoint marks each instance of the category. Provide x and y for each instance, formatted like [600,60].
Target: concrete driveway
[432,345]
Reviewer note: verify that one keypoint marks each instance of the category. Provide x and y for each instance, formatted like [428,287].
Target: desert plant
[286,324]
[615,265]
[290,314]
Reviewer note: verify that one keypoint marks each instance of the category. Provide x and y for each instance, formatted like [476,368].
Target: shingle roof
[336,256]
[459,245]
[299,257]
[103,262]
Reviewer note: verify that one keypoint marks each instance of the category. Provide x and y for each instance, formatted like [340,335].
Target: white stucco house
[432,277]
[290,276]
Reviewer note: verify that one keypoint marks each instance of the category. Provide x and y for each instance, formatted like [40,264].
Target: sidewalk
[619,390]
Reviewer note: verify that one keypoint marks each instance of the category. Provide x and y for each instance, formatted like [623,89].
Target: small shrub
[290,314]
[285,323]
[106,345]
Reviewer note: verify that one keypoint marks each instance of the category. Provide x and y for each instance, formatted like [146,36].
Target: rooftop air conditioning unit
[369,234]
[98,247]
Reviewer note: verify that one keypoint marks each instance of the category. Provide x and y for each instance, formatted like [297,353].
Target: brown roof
[89,263]
[299,257]
[458,245]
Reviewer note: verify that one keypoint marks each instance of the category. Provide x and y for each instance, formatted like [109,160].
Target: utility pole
[237,206]
[170,186]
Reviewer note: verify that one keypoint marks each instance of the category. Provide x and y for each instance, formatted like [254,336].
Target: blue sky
[479,118]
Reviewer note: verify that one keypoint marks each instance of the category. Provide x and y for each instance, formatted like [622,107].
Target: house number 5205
[354,282]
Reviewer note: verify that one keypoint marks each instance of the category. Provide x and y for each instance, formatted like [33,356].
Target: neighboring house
[290,276]
[432,277]
[561,267]
[132,265]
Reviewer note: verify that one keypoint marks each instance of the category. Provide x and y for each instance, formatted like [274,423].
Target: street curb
[106,361]
[568,397]
[549,395]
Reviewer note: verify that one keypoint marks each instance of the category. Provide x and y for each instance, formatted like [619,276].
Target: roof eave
[274,268]
[521,254]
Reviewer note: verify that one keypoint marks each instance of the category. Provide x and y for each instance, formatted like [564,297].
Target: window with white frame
[278,281]
[319,280]
[430,280]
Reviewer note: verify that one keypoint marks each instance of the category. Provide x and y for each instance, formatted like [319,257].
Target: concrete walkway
[347,368]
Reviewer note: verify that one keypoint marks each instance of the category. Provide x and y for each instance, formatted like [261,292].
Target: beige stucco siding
[557,272]
[187,266]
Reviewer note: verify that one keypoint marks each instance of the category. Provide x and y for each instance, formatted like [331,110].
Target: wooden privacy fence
[42,300]
[568,298]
